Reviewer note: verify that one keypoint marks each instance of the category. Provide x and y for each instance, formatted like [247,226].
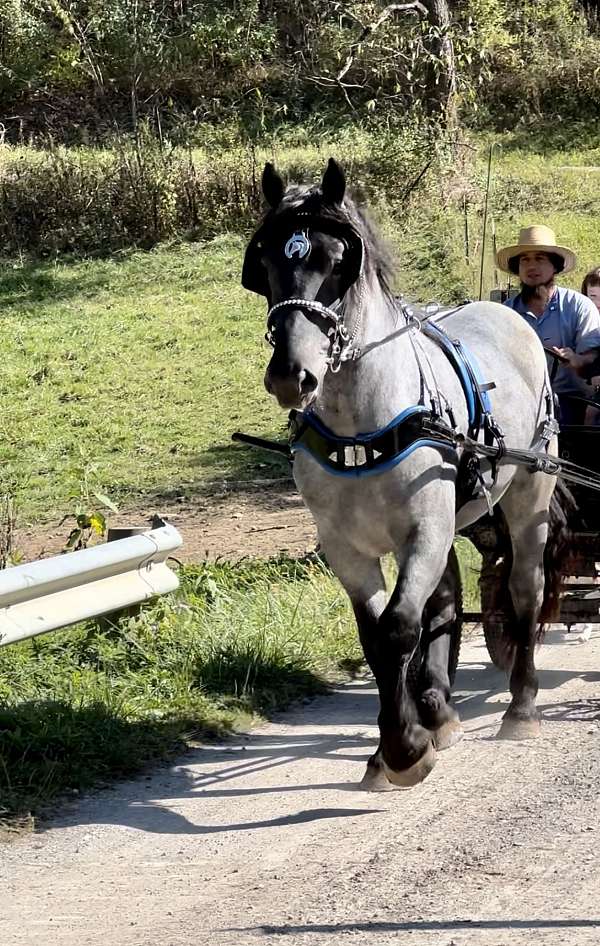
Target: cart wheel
[490,537]
[501,654]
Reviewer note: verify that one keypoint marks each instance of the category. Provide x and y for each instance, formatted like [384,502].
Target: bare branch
[392,8]
[414,184]
[396,8]
[327,82]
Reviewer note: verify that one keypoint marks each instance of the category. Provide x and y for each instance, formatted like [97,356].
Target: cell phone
[553,354]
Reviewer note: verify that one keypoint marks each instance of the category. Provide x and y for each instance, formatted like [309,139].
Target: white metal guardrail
[56,592]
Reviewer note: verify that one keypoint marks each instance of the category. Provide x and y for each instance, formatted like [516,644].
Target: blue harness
[465,364]
[367,454]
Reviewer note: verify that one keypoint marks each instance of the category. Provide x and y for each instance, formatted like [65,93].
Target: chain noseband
[343,340]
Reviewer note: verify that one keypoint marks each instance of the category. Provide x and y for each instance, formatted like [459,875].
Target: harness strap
[427,376]
[467,370]
[550,427]
[479,405]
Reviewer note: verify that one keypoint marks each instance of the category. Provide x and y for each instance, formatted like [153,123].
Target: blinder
[254,274]
[278,228]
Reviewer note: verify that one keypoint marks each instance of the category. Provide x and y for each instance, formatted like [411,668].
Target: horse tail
[563,517]
[491,538]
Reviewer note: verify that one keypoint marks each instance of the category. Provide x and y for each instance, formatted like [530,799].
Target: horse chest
[375,514]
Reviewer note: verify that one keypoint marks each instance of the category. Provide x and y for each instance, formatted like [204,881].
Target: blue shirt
[570,320]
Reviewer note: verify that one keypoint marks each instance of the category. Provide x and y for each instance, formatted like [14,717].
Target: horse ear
[334,183]
[272,186]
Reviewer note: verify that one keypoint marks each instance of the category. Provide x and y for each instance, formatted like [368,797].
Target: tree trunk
[443,75]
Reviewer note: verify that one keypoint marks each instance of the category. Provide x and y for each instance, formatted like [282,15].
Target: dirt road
[253,520]
[267,839]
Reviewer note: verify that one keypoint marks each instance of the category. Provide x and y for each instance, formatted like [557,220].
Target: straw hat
[535,239]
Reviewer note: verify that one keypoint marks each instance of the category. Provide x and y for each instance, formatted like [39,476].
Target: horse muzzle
[295,389]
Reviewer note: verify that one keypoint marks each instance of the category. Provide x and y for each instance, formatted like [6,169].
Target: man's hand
[576,362]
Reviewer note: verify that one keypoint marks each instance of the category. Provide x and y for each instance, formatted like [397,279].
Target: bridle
[343,340]
[343,345]
[343,337]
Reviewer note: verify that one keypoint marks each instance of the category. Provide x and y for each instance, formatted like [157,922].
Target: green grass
[470,565]
[141,366]
[97,702]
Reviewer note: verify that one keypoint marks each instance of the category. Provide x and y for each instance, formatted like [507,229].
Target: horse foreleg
[364,583]
[439,628]
[407,748]
[525,506]
[390,637]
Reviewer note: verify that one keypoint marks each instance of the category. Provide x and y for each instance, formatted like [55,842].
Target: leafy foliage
[107,62]
[541,59]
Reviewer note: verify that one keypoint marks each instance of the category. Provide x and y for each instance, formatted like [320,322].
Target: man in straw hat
[566,321]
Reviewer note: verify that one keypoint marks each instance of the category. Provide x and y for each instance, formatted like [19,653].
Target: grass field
[138,367]
[129,374]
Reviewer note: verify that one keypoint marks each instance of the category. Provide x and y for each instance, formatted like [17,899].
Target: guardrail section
[52,593]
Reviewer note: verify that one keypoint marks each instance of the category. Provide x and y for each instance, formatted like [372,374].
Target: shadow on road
[421,926]
[341,729]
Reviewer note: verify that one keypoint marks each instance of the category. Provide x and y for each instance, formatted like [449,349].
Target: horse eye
[337,266]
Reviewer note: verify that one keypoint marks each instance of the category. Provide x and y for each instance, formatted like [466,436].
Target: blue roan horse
[378,462]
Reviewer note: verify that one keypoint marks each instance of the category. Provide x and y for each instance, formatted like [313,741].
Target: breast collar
[382,449]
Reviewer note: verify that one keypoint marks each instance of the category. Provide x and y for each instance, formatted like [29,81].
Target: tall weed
[145,190]
[140,193]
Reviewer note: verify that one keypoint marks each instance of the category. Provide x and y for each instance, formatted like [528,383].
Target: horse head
[305,257]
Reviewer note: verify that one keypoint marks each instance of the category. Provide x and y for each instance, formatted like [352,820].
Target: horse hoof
[406,778]
[448,734]
[375,780]
[519,728]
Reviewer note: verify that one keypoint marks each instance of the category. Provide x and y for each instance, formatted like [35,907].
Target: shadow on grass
[243,461]
[34,282]
[265,684]
[234,470]
[53,748]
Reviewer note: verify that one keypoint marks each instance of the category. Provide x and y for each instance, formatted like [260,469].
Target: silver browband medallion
[297,243]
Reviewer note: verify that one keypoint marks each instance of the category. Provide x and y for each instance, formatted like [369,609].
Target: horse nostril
[307,382]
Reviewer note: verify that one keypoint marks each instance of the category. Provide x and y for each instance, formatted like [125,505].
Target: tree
[10,25]
[442,82]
